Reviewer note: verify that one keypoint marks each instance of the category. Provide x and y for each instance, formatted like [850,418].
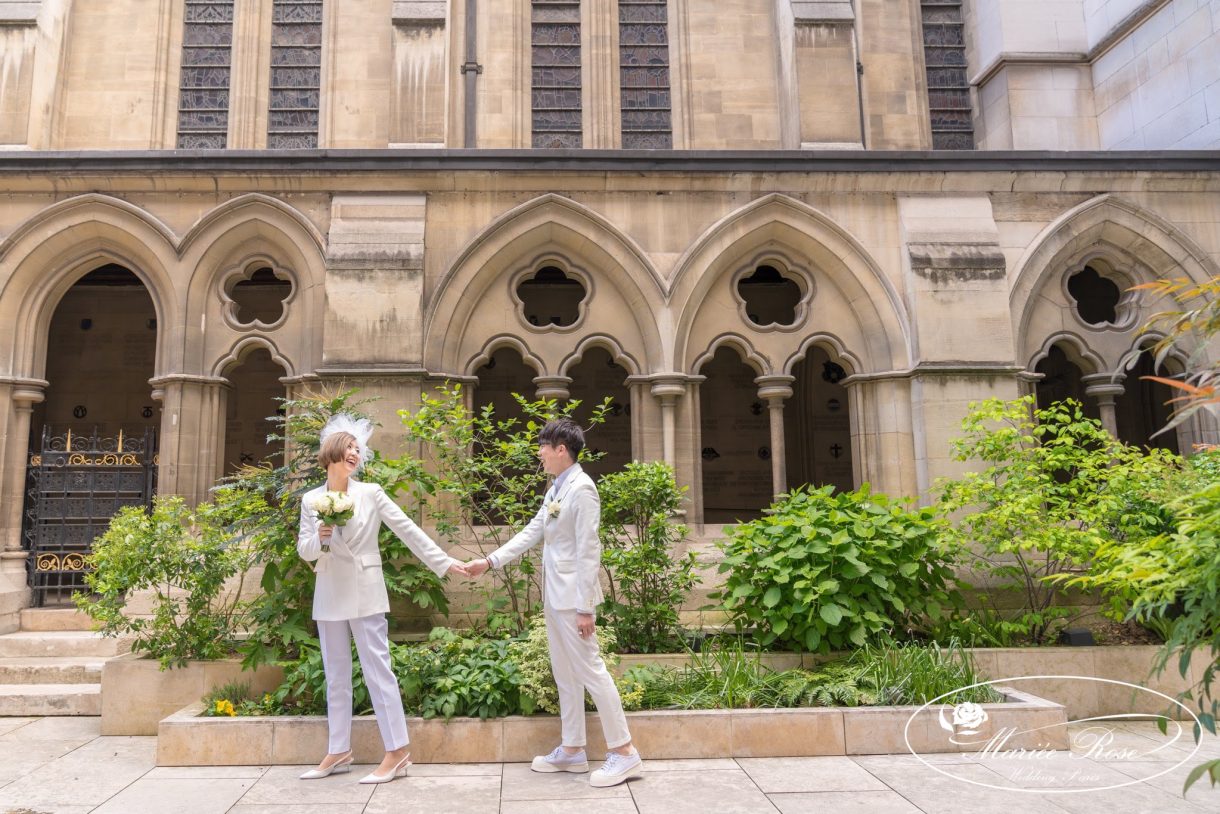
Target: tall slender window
[203,86]
[555,83]
[643,36]
[296,74]
[944,48]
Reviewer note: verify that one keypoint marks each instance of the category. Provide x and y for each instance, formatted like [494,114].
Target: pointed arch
[800,230]
[745,349]
[825,341]
[244,347]
[254,206]
[1150,244]
[605,342]
[1076,349]
[548,222]
[503,341]
[50,252]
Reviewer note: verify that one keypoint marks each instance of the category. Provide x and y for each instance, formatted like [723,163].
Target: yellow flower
[225,707]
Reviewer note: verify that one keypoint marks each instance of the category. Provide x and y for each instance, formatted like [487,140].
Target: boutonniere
[552,508]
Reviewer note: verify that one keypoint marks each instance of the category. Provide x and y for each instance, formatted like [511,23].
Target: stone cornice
[171,163]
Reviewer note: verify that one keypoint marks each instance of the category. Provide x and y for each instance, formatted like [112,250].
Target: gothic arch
[549,223]
[761,365]
[1077,351]
[51,251]
[877,324]
[504,341]
[1150,245]
[826,341]
[243,347]
[608,344]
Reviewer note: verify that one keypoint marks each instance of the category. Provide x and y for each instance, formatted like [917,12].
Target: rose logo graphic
[969,717]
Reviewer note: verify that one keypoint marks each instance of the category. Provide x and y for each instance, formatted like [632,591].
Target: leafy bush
[532,656]
[481,482]
[182,558]
[648,584]
[234,699]
[824,571]
[1056,487]
[1178,572]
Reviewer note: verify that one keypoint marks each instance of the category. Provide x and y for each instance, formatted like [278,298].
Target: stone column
[774,390]
[192,434]
[14,590]
[1105,387]
[667,391]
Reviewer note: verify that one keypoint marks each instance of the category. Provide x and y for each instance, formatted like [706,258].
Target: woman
[350,598]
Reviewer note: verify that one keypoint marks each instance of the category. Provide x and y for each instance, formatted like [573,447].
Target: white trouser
[577,667]
[373,646]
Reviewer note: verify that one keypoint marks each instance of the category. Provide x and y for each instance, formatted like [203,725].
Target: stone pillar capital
[776,388]
[552,387]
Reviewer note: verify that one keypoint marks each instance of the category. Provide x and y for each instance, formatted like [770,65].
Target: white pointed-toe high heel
[340,766]
[398,771]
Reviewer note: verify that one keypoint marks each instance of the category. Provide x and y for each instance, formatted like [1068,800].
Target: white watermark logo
[1031,755]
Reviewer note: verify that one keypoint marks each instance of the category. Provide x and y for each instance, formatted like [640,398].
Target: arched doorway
[735,440]
[93,439]
[817,424]
[250,405]
[593,379]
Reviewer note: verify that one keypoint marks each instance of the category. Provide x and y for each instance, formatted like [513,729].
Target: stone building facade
[757,225]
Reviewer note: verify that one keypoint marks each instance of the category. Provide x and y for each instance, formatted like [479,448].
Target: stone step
[48,619]
[38,644]
[52,670]
[27,700]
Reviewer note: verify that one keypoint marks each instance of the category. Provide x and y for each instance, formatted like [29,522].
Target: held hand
[585,624]
[476,568]
[456,567]
[324,531]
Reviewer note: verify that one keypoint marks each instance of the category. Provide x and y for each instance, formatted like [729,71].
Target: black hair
[563,431]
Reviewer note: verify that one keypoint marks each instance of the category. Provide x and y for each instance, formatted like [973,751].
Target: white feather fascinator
[360,428]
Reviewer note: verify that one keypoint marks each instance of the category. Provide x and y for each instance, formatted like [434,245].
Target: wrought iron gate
[75,484]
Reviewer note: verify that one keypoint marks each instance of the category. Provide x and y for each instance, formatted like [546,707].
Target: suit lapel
[567,484]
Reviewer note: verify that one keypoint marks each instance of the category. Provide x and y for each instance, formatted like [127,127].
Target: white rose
[552,508]
[969,717]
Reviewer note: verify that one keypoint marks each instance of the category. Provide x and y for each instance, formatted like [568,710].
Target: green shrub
[182,559]
[648,583]
[1052,487]
[826,571]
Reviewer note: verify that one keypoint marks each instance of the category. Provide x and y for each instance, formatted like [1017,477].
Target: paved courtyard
[63,766]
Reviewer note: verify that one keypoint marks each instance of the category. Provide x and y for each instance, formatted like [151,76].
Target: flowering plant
[552,508]
[334,508]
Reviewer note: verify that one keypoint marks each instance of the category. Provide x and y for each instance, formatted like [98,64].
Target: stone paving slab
[63,766]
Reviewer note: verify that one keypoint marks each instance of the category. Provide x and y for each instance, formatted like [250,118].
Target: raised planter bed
[137,693]
[1083,699]
[185,739]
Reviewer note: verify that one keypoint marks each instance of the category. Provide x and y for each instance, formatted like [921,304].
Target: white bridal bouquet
[334,508]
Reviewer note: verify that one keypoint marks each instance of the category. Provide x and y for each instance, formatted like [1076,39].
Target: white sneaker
[616,769]
[560,761]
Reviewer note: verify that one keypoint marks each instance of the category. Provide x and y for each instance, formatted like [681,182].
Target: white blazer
[572,554]
[349,581]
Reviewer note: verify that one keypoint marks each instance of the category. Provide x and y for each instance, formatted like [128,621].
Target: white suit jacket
[572,554]
[349,580]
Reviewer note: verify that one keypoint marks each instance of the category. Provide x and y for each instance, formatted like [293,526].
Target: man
[571,592]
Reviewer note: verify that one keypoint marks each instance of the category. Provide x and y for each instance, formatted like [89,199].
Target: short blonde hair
[334,448]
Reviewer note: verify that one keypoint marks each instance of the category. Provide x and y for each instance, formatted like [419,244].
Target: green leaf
[831,613]
[772,597]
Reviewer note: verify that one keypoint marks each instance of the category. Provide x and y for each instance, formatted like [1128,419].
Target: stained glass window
[296,74]
[555,83]
[944,50]
[203,86]
[643,35]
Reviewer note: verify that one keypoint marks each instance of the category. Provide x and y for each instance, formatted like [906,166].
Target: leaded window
[643,35]
[203,85]
[944,47]
[555,84]
[296,74]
